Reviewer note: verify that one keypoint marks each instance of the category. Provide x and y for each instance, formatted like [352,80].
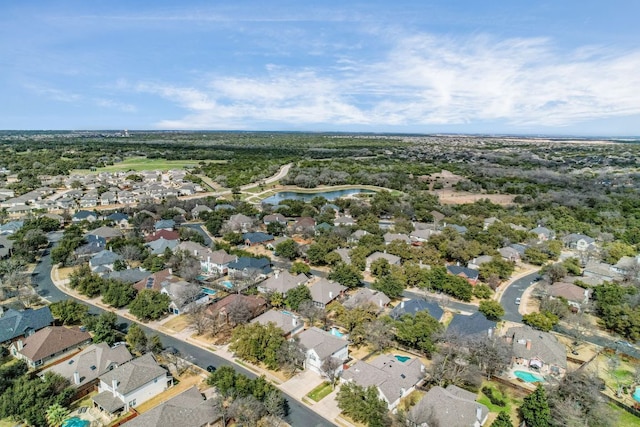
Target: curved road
[299,414]
[513,291]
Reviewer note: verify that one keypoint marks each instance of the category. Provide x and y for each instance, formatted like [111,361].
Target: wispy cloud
[53,93]
[423,80]
[115,105]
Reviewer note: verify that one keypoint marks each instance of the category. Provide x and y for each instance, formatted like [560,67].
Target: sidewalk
[295,387]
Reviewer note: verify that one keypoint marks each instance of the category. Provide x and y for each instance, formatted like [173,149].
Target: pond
[329,195]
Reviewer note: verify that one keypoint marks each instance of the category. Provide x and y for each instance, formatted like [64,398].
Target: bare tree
[291,356]
[247,411]
[239,312]
[187,295]
[331,369]
[451,364]
[199,319]
[379,335]
[130,252]
[308,310]
[490,355]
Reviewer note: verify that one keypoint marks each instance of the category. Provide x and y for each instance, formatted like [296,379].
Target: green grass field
[318,393]
[144,164]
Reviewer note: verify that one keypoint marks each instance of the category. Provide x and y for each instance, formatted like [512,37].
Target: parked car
[211,368]
[517,301]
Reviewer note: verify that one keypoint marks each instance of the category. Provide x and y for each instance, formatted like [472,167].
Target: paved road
[513,291]
[198,227]
[443,300]
[299,414]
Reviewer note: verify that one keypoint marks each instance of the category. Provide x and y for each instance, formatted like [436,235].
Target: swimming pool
[636,394]
[528,377]
[209,291]
[402,359]
[75,422]
[227,284]
[336,332]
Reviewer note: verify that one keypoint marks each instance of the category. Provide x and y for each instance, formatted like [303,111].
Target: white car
[517,301]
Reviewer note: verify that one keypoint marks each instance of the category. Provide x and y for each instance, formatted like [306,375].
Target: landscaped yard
[625,419]
[320,392]
[177,324]
[512,401]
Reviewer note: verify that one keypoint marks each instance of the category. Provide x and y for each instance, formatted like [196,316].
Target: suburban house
[575,295]
[345,221]
[471,326]
[344,255]
[282,282]
[83,369]
[224,207]
[626,265]
[393,378]
[422,235]
[162,234]
[157,280]
[320,345]
[304,225]
[475,263]
[460,229]
[6,246]
[468,274]
[392,237]
[83,215]
[364,296]
[221,309]
[357,235]
[164,224]
[290,323]
[391,259]
[179,302]
[130,275]
[217,262]
[21,324]
[451,406]
[413,306]
[601,271]
[11,227]
[49,344]
[253,239]
[578,242]
[187,409]
[107,233]
[131,384]
[160,246]
[240,223]
[277,218]
[537,350]
[543,233]
[104,259]
[324,291]
[198,209]
[488,222]
[510,254]
[249,267]
[119,218]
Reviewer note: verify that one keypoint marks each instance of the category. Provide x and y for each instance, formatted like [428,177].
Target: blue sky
[543,67]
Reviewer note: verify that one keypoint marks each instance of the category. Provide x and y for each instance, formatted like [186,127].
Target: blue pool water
[329,195]
[75,422]
[287,313]
[528,377]
[336,332]
[209,291]
[636,394]
[227,284]
[402,358]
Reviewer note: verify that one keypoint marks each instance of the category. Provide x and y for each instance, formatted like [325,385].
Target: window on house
[132,403]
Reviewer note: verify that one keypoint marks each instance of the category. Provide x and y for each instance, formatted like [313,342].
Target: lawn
[144,164]
[625,419]
[513,402]
[320,392]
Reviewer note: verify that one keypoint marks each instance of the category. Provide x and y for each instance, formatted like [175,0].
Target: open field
[143,164]
[453,197]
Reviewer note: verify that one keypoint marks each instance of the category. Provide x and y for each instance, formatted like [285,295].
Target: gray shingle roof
[188,409]
[15,323]
[322,342]
[469,326]
[324,291]
[448,407]
[134,374]
[413,306]
[544,346]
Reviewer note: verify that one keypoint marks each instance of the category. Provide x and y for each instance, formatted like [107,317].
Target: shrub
[494,397]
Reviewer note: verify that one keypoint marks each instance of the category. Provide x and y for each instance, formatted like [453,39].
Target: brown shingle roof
[51,340]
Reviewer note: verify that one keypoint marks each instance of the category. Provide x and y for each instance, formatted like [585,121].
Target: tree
[543,321]
[247,410]
[291,357]
[287,249]
[56,414]
[136,339]
[491,309]
[239,312]
[310,311]
[346,274]
[502,420]
[103,327]
[199,319]
[490,355]
[482,291]
[535,410]
[300,268]
[255,343]
[380,267]
[118,294]
[390,284]
[149,305]
[363,405]
[331,368]
[68,311]
[417,331]
[379,335]
[296,296]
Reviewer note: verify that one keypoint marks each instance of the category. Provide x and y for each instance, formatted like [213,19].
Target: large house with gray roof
[324,291]
[320,345]
[288,322]
[537,350]
[187,409]
[415,305]
[282,282]
[451,406]
[392,378]
[20,324]
[131,384]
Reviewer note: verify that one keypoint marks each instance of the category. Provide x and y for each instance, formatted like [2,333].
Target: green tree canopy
[535,410]
[149,305]
[491,309]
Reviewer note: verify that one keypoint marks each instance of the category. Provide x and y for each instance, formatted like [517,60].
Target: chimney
[114,386]
[76,378]
[330,295]
[170,272]
[195,252]
[294,321]
[20,345]
[380,303]
[479,413]
[276,273]
[401,304]
[528,344]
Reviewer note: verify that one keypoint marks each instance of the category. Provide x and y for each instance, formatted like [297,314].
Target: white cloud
[116,105]
[54,94]
[423,80]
